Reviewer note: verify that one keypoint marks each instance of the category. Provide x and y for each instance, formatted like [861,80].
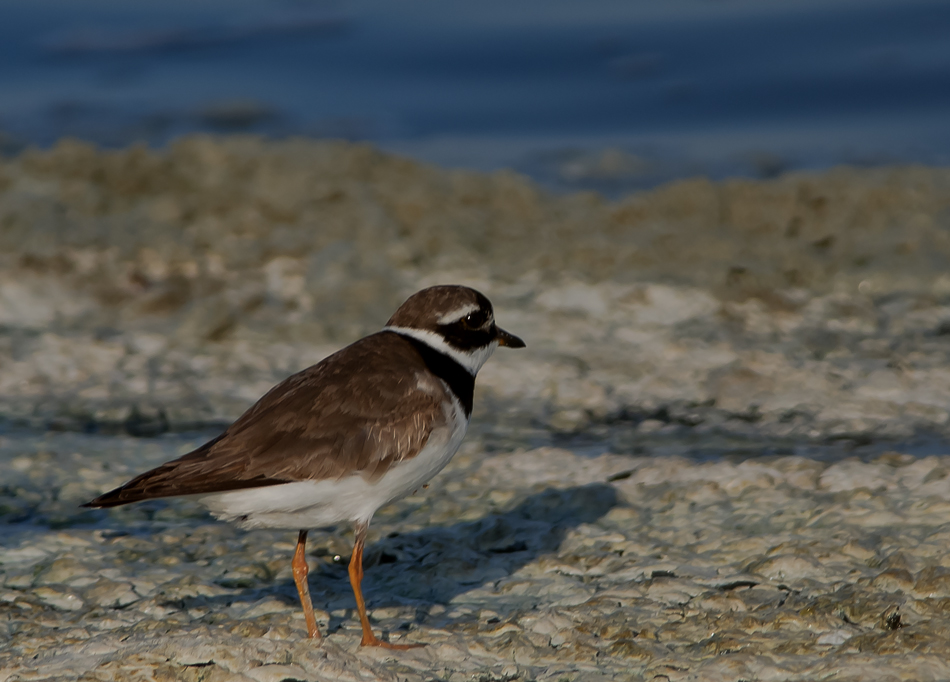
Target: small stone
[62,570]
[893,579]
[933,582]
[279,673]
[265,606]
[60,598]
[834,638]
[789,567]
[628,648]
[198,654]
[650,425]
[110,594]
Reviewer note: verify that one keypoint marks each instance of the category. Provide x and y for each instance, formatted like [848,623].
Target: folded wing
[328,421]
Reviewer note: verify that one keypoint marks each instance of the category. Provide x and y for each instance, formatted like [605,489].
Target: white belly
[313,504]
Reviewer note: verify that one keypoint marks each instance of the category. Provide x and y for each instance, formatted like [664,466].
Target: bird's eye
[474,320]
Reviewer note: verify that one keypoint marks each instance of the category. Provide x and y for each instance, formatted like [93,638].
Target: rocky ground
[534,565]
[150,291]
[722,455]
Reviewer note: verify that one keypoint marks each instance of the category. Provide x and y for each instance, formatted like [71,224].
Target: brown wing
[359,410]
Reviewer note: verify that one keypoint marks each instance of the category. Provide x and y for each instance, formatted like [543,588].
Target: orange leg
[356,579]
[303,589]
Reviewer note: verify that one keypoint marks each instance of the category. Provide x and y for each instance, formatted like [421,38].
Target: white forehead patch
[458,313]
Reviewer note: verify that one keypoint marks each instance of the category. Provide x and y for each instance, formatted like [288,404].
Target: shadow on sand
[436,564]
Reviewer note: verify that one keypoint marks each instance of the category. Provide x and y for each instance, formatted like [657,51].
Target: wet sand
[708,462]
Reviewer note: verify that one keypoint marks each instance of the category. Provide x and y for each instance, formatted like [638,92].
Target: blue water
[718,87]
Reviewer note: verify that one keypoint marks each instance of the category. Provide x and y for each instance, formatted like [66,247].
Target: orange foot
[373,641]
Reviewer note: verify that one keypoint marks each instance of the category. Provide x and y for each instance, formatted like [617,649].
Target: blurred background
[603,94]
[200,198]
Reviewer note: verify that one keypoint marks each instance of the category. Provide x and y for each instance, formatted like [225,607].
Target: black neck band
[448,370]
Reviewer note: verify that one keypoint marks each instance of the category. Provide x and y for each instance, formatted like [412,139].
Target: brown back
[357,411]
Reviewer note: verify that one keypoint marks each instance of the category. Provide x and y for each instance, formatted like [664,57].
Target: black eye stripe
[464,337]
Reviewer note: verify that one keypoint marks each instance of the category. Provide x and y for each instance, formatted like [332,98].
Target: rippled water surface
[673,88]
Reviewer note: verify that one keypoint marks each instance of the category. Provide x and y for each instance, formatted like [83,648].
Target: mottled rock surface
[155,290]
[533,564]
[722,455]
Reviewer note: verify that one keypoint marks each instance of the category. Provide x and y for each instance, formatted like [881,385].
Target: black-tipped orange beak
[506,339]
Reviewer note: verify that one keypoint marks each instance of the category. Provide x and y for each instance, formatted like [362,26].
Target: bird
[335,442]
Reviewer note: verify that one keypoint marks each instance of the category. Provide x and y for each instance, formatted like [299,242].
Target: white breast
[313,504]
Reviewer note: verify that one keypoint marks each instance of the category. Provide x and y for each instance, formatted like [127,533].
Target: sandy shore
[708,464]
